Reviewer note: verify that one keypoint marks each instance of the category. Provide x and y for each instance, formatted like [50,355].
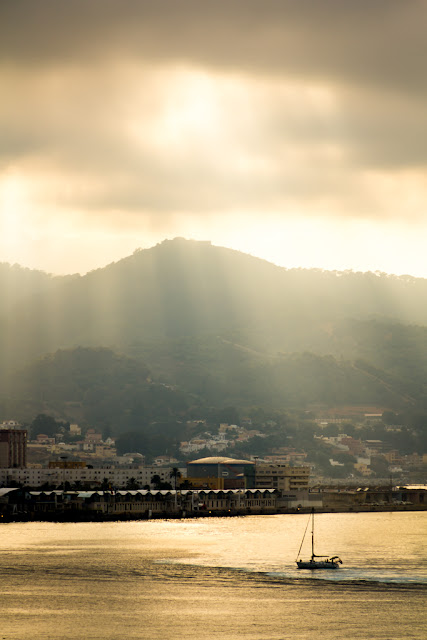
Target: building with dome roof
[228,473]
[219,472]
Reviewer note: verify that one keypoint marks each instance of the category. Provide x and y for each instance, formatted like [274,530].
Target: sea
[223,578]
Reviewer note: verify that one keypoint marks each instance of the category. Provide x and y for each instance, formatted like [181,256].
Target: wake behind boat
[332,562]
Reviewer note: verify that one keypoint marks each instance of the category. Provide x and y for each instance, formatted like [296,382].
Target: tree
[106,432]
[44,424]
[389,417]
[105,485]
[338,472]
[175,474]
[159,484]
[132,484]
[380,466]
[156,480]
[331,429]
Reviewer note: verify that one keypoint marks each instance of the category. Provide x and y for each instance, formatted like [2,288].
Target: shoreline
[77,517]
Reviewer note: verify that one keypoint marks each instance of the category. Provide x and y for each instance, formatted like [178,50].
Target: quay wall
[19,504]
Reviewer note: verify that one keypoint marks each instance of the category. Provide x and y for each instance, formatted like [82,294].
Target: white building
[118,478]
[282,477]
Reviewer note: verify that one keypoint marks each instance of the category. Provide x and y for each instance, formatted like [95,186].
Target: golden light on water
[214,578]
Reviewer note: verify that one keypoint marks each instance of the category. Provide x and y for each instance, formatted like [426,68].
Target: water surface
[220,578]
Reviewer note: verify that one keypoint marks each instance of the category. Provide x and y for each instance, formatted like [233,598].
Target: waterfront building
[138,504]
[229,473]
[76,472]
[135,504]
[13,448]
[281,476]
[221,473]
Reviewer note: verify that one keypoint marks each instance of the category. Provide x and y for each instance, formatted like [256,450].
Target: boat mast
[312,534]
[303,538]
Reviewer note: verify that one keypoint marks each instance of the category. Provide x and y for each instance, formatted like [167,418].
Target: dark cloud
[333,89]
[368,41]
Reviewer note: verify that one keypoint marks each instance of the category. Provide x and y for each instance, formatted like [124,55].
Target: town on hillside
[77,467]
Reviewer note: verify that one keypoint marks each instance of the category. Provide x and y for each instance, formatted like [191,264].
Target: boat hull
[312,564]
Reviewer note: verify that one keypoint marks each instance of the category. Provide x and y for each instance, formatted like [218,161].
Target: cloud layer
[152,117]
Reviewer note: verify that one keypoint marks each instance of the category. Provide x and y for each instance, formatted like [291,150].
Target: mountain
[186,288]
[223,328]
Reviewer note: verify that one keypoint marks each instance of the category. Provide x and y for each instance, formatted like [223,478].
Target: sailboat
[316,561]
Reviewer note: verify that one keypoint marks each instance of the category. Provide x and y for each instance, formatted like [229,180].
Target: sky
[293,130]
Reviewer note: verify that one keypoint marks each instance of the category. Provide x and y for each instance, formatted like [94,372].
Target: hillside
[95,386]
[220,326]
[99,387]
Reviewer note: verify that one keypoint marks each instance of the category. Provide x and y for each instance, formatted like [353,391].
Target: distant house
[75,430]
[42,438]
[93,437]
[163,460]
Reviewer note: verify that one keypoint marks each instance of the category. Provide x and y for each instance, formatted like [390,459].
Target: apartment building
[281,476]
[13,448]
[116,477]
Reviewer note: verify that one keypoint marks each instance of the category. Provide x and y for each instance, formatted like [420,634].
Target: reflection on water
[222,577]
[385,547]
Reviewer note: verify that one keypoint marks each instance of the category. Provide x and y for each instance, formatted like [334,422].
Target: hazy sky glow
[290,129]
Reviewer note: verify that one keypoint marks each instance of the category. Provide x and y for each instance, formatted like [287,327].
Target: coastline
[87,516]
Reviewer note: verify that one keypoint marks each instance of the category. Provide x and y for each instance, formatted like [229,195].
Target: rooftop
[220,460]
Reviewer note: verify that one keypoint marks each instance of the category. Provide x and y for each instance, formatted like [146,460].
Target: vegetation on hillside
[188,325]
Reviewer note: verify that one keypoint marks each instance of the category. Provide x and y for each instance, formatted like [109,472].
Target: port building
[13,448]
[219,472]
[229,473]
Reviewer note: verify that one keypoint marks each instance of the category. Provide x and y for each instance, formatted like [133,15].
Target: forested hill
[192,312]
[19,283]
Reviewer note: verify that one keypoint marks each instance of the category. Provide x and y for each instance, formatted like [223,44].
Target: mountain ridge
[222,325]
